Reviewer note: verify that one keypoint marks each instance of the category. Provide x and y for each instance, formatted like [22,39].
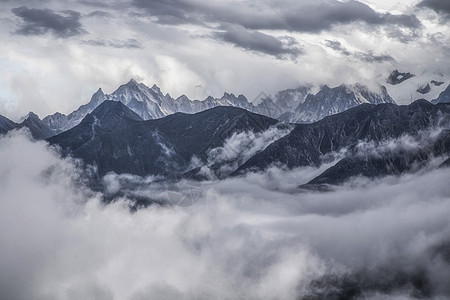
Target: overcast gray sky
[55,54]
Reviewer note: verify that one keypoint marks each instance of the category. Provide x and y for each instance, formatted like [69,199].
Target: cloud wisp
[369,57]
[259,42]
[236,150]
[380,239]
[118,44]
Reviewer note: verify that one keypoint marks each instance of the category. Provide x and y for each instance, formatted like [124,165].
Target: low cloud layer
[252,237]
[41,21]
[237,149]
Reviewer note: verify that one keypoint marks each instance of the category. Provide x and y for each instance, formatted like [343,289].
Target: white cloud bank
[247,241]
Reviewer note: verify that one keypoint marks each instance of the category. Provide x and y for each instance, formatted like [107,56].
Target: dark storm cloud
[259,42]
[409,21]
[41,21]
[316,16]
[305,16]
[363,56]
[127,44]
[440,6]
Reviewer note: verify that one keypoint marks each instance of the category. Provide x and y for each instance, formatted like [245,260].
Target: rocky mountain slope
[444,97]
[163,146]
[6,125]
[38,129]
[293,105]
[329,101]
[375,125]
[372,140]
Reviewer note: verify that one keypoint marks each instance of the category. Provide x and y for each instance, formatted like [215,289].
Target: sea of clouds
[252,237]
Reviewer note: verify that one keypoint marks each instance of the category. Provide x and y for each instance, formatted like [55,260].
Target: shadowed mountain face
[307,144]
[36,127]
[6,125]
[115,139]
[384,163]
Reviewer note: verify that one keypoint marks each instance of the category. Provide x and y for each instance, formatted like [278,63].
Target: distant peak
[132,83]
[110,114]
[183,97]
[31,116]
[99,91]
[227,95]
[111,107]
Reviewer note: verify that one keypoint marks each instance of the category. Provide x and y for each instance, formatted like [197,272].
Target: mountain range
[372,140]
[373,137]
[114,138]
[139,130]
[294,105]
[298,105]
[31,121]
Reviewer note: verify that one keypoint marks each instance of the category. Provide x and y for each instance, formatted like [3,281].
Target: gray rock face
[444,97]
[59,122]
[397,77]
[424,89]
[437,83]
[283,103]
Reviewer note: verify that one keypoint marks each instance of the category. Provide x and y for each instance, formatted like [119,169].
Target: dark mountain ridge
[155,147]
[31,121]
[307,144]
[115,139]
